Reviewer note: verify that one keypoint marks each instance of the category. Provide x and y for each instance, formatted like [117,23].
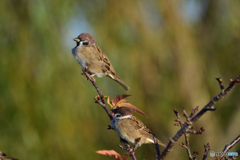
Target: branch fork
[188,124]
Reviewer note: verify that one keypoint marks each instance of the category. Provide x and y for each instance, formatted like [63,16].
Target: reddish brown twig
[208,107]
[100,99]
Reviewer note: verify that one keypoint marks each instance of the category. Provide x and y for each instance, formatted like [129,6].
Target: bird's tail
[119,80]
[160,143]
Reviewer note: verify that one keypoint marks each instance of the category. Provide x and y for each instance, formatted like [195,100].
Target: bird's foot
[88,76]
[109,127]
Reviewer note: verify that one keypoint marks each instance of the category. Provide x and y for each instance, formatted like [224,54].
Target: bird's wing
[139,125]
[101,56]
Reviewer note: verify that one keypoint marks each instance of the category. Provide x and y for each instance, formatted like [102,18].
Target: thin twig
[102,103]
[194,111]
[132,152]
[229,146]
[208,107]
[190,156]
[128,148]
[200,131]
[187,131]
[207,149]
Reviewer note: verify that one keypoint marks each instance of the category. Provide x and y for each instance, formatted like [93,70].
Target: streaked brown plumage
[130,128]
[91,56]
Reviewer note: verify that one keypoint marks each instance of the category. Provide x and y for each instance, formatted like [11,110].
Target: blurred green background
[168,52]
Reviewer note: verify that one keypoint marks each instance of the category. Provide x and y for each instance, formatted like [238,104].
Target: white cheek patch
[124,117]
[81,44]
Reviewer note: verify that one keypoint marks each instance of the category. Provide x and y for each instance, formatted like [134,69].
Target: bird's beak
[76,39]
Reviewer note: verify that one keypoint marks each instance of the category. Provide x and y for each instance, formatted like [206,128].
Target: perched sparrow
[129,128]
[93,59]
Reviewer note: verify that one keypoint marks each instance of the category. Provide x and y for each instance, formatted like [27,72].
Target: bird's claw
[109,127]
[88,76]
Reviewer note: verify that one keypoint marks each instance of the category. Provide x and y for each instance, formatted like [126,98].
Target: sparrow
[93,59]
[130,128]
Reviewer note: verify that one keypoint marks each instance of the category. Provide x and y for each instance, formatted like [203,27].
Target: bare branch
[102,103]
[208,107]
[229,146]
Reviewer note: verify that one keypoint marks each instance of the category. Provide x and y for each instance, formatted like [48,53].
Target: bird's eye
[85,43]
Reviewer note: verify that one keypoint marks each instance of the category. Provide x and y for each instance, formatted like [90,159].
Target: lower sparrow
[130,128]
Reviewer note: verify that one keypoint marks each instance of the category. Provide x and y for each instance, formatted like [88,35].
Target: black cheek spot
[85,43]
